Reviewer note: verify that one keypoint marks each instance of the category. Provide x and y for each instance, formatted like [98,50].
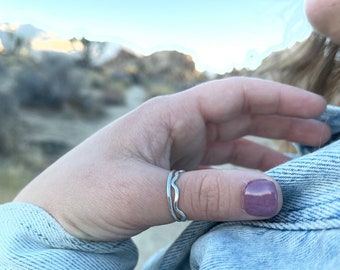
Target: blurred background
[68,68]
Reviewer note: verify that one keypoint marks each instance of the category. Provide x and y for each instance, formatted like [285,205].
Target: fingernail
[260,198]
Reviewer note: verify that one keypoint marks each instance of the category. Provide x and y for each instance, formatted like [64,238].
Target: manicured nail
[260,198]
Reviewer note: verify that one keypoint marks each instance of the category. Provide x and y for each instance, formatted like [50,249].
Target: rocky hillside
[172,69]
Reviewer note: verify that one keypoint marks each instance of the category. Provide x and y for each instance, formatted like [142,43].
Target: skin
[113,185]
[324,16]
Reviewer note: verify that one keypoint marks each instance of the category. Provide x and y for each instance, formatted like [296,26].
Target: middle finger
[305,131]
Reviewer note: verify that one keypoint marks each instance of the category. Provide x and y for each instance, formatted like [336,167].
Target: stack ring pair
[172,192]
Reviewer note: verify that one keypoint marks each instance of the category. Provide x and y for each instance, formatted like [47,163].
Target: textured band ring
[172,192]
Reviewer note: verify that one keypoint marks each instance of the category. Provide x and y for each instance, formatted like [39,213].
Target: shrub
[114,93]
[9,124]
[48,83]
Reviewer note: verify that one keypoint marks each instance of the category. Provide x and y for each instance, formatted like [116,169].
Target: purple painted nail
[260,198]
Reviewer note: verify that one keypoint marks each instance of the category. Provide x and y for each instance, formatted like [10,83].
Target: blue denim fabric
[304,235]
[332,117]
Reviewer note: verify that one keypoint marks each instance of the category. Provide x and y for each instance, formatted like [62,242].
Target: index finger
[224,99]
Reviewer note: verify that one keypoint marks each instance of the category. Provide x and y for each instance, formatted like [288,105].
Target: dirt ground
[156,238]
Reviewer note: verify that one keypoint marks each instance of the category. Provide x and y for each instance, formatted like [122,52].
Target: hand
[113,185]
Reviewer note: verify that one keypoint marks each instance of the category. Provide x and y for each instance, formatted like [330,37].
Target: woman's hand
[113,185]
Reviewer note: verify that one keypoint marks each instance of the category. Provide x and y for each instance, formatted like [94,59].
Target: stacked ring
[173,196]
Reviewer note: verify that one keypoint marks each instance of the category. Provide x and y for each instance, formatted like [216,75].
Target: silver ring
[173,190]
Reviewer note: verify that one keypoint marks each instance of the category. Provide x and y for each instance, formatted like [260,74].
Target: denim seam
[281,226]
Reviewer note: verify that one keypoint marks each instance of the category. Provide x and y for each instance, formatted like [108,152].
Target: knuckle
[157,100]
[210,202]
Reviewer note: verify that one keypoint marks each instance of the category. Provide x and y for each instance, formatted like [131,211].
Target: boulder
[170,67]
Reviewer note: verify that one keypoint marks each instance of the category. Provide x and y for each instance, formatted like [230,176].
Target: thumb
[228,195]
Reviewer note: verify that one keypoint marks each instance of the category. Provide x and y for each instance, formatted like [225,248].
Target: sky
[218,34]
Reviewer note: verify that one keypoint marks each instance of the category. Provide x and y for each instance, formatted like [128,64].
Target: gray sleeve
[33,239]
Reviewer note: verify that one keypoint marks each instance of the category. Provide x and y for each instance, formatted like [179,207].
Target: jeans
[304,235]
